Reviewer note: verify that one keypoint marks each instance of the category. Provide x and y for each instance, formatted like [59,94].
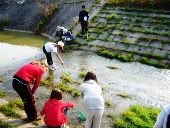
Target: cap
[61,43]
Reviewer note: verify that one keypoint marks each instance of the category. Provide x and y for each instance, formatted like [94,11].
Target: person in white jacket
[93,101]
[163,118]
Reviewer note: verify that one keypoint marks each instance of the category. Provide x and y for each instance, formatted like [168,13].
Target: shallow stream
[146,85]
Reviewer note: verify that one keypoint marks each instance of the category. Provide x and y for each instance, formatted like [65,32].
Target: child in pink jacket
[54,110]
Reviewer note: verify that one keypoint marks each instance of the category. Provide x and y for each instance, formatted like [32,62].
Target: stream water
[146,85]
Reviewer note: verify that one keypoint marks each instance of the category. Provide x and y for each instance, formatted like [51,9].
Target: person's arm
[37,80]
[42,112]
[58,56]
[87,16]
[160,119]
[79,17]
[67,104]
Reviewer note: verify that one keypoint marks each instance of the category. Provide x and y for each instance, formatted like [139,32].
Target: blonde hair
[39,63]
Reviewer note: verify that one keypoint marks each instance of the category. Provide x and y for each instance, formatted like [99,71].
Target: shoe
[64,126]
[51,68]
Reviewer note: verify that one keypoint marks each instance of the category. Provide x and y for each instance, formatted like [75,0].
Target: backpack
[59,33]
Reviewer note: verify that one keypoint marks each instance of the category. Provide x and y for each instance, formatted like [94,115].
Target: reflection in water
[12,53]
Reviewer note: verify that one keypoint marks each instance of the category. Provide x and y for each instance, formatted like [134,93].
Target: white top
[92,95]
[62,28]
[162,117]
[51,47]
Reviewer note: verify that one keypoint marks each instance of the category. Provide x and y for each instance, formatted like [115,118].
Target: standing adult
[163,119]
[53,47]
[93,101]
[29,75]
[83,20]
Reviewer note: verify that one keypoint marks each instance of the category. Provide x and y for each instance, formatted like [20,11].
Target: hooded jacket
[92,95]
[162,117]
[54,112]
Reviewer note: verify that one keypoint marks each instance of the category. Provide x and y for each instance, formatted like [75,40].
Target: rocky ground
[119,39]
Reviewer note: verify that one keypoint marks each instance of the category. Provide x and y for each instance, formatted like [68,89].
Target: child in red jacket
[54,110]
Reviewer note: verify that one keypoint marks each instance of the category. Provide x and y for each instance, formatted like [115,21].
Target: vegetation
[9,109]
[2,94]
[136,117]
[82,74]
[124,95]
[3,22]
[108,104]
[154,4]
[112,67]
[66,79]
[65,88]
[5,125]
[48,11]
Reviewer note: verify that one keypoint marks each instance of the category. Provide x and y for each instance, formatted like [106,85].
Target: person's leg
[48,56]
[86,29]
[89,113]
[82,28]
[49,59]
[97,118]
[29,105]
[27,97]
[65,111]
[19,87]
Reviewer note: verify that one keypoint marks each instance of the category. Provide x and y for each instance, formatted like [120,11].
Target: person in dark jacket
[83,20]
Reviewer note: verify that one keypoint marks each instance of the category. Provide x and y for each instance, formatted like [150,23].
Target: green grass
[112,16]
[66,79]
[2,94]
[137,117]
[16,104]
[108,104]
[66,88]
[9,112]
[1,79]
[82,74]
[112,67]
[6,125]
[124,95]
[10,109]
[106,53]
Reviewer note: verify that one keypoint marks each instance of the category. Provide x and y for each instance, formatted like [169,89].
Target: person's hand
[62,62]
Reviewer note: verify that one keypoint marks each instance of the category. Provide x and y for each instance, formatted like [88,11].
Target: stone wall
[25,14]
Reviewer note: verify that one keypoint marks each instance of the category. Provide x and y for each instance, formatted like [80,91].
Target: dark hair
[83,6]
[90,76]
[60,48]
[168,121]
[56,94]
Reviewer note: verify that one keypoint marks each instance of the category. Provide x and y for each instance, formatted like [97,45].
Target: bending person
[163,119]
[93,101]
[29,73]
[53,47]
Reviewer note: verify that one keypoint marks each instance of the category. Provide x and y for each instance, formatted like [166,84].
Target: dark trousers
[23,89]
[48,56]
[84,27]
